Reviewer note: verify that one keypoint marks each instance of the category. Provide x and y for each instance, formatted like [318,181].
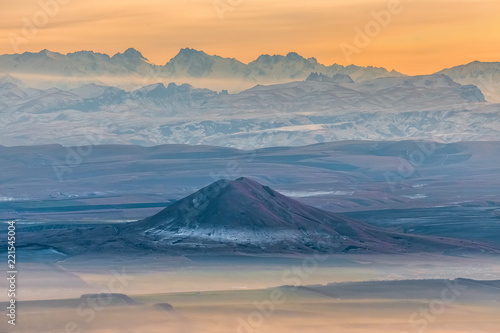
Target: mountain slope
[193,63]
[245,216]
[240,217]
[297,113]
[485,75]
[131,70]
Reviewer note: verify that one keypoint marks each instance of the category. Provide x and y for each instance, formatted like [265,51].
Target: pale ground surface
[225,294]
[71,277]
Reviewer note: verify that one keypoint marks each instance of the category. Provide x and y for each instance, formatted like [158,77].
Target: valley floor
[346,293]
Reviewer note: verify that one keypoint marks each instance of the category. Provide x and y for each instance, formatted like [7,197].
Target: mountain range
[485,75]
[51,69]
[321,108]
[47,69]
[87,97]
[241,217]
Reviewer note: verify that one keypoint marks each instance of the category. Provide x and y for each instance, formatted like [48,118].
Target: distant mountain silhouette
[131,70]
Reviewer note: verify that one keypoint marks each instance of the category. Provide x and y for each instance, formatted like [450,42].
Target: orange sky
[421,37]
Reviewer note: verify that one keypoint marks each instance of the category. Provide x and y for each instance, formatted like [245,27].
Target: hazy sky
[418,37]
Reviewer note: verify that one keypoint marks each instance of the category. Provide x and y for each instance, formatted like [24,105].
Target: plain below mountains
[240,217]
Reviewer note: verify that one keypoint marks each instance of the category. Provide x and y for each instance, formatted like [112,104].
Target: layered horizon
[291,53]
[250,166]
[412,37]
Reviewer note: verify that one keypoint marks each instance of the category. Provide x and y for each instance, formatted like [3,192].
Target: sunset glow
[422,37]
